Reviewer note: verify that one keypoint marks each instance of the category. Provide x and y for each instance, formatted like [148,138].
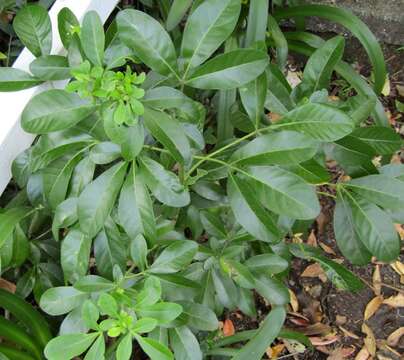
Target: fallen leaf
[386,87]
[400,230]
[228,328]
[394,337]
[400,90]
[363,354]
[321,341]
[341,353]
[294,303]
[370,340]
[327,249]
[313,271]
[372,307]
[7,285]
[340,320]
[274,351]
[349,333]
[377,279]
[311,239]
[316,329]
[395,301]
[398,267]
[322,220]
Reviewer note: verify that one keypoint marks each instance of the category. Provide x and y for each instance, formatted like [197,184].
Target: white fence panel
[13,139]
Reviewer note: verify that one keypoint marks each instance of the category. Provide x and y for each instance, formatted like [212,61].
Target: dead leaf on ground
[316,329]
[349,333]
[7,285]
[294,303]
[322,341]
[377,279]
[340,319]
[372,306]
[363,354]
[394,337]
[400,90]
[311,239]
[322,220]
[400,231]
[315,271]
[327,249]
[398,267]
[370,340]
[341,353]
[274,351]
[395,301]
[228,328]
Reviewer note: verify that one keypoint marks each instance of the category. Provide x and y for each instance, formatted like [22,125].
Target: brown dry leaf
[322,341]
[340,319]
[341,353]
[349,333]
[363,354]
[370,340]
[316,329]
[372,306]
[274,117]
[274,351]
[398,267]
[327,249]
[400,90]
[395,301]
[312,240]
[313,271]
[377,279]
[294,303]
[322,220]
[395,336]
[228,328]
[400,230]
[7,285]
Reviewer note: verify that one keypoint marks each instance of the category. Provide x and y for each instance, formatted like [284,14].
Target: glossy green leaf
[384,140]
[272,289]
[352,23]
[375,229]
[97,199]
[318,121]
[148,39]
[318,70]
[75,255]
[163,312]
[281,43]
[168,131]
[50,67]
[154,349]
[124,349]
[198,316]
[177,11]
[283,192]
[207,28]
[311,171]
[256,22]
[381,190]
[61,300]
[72,344]
[105,153]
[33,27]
[264,337]
[97,350]
[66,22]
[345,233]
[185,344]
[135,209]
[138,251]
[15,79]
[229,70]
[249,212]
[54,110]
[267,263]
[93,283]
[93,38]
[174,257]
[9,220]
[285,147]
[164,184]
[253,97]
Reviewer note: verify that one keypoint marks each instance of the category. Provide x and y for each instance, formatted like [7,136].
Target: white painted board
[13,139]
